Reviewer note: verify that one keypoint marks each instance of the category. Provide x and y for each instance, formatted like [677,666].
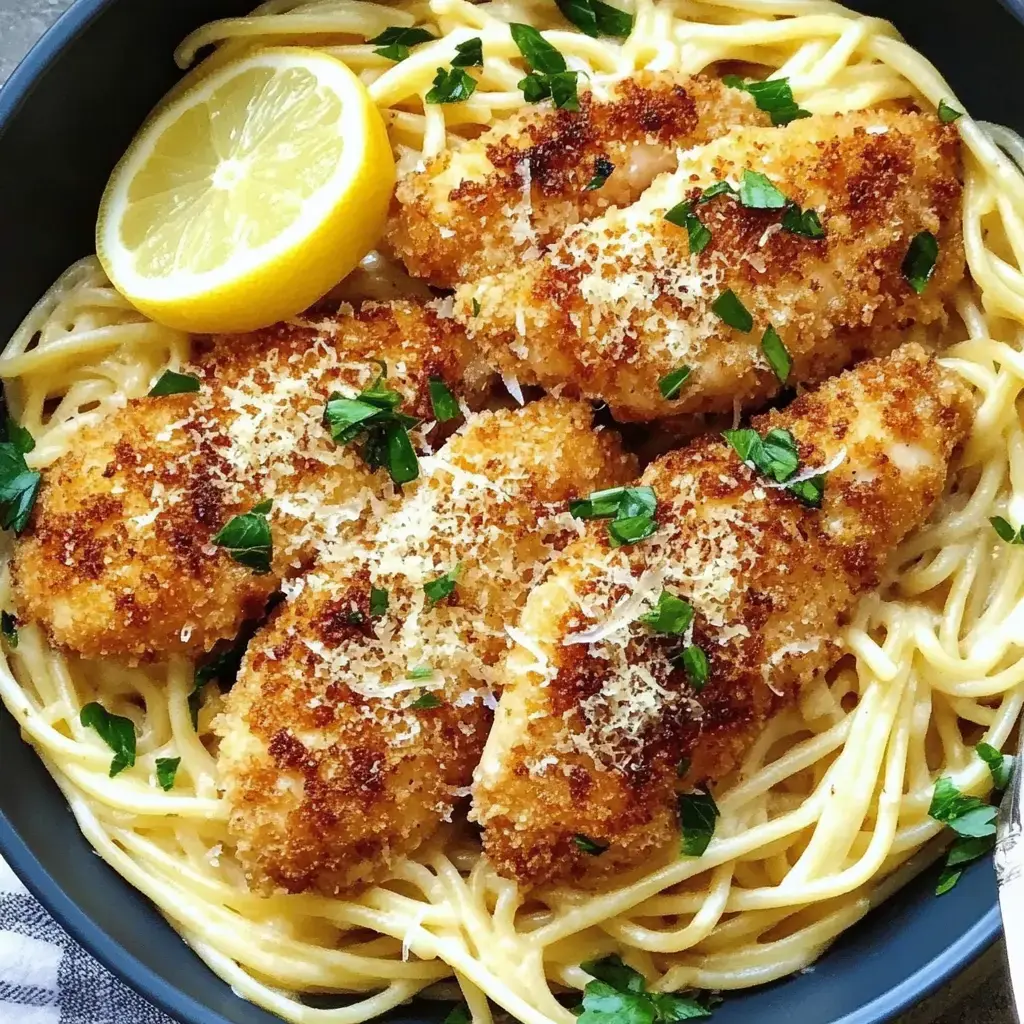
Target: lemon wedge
[246,198]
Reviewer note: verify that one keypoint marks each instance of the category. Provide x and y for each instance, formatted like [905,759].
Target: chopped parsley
[697,814]
[548,74]
[694,662]
[459,1015]
[775,455]
[373,415]
[971,819]
[729,308]
[919,263]
[672,383]
[9,629]
[378,602]
[1006,531]
[697,234]
[172,383]
[476,307]
[776,353]
[452,86]
[394,43]
[588,845]
[443,586]
[420,672]
[166,770]
[596,18]
[719,188]
[426,701]
[948,114]
[629,509]
[603,168]
[469,54]
[774,97]
[443,401]
[247,539]
[756,192]
[19,485]
[802,222]
[618,995]
[671,615]
[223,666]
[118,733]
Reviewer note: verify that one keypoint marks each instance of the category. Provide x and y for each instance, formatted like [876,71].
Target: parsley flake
[919,263]
[420,672]
[9,629]
[394,43]
[697,814]
[19,485]
[672,383]
[697,234]
[548,74]
[999,765]
[460,1015]
[588,845]
[452,86]
[776,353]
[970,818]
[378,602]
[118,733]
[596,18]
[630,509]
[948,114]
[443,401]
[618,995]
[19,436]
[476,307]
[774,97]
[802,222]
[443,586]
[603,168]
[172,383]
[729,308]
[426,701]
[247,539]
[719,188]
[1006,531]
[166,770]
[469,54]
[671,615]
[223,666]
[775,455]
[758,193]
[694,662]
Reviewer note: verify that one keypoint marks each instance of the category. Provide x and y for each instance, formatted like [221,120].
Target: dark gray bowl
[66,115]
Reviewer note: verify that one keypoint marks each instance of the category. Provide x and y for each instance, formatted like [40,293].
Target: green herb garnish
[223,666]
[919,263]
[443,401]
[694,663]
[548,75]
[719,188]
[630,509]
[118,733]
[460,1015]
[588,845]
[948,114]
[443,586]
[697,814]
[999,765]
[378,602]
[476,307]
[394,43]
[469,54]
[425,701]
[1006,531]
[671,384]
[452,86]
[9,629]
[775,455]
[697,234]
[776,353]
[420,672]
[756,192]
[671,615]
[172,383]
[774,97]
[19,485]
[603,167]
[166,770]
[247,539]
[802,222]
[618,995]
[729,308]
[596,18]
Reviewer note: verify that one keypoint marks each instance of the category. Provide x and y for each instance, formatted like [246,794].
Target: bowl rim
[926,980]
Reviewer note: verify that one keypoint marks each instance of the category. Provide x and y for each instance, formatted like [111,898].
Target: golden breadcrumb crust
[589,736]
[118,560]
[504,196]
[333,766]
[620,302]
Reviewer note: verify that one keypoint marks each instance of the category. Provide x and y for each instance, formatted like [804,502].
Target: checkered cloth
[47,978]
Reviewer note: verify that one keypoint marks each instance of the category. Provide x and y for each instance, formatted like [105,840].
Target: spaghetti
[829,812]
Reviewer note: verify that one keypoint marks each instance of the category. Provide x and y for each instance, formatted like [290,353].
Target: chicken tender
[119,561]
[602,711]
[506,195]
[620,303]
[362,707]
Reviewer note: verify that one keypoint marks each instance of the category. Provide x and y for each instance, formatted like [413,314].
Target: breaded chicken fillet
[503,197]
[620,303]
[119,561]
[602,708]
[362,707]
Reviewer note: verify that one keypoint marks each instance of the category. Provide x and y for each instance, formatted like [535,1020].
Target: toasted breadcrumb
[620,302]
[118,561]
[504,196]
[591,729]
[332,770]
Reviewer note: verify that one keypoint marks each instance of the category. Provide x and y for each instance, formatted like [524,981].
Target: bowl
[66,115]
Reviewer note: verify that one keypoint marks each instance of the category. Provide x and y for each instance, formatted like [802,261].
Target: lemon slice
[245,199]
